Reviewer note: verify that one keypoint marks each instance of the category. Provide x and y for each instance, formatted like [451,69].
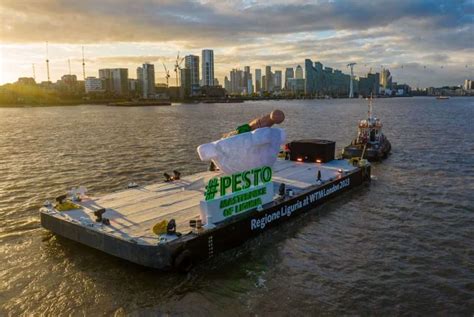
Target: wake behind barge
[133,212]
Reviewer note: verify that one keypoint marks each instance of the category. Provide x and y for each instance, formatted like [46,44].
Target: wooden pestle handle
[274,117]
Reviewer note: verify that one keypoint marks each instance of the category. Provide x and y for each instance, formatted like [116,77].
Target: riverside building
[237,85]
[207,68]
[289,74]
[269,81]
[116,80]
[322,81]
[191,62]
[94,85]
[278,80]
[148,81]
[247,82]
[369,85]
[258,80]
[299,72]
[186,83]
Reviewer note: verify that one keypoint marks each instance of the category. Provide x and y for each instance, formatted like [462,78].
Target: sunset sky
[433,40]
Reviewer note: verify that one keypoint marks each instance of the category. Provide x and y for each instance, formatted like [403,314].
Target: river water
[403,245]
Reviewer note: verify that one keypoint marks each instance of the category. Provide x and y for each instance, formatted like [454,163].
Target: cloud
[132,59]
[133,21]
[281,32]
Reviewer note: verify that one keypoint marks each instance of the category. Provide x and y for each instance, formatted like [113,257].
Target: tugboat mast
[369,113]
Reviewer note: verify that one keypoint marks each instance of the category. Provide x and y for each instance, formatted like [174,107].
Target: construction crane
[47,62]
[83,65]
[167,74]
[177,67]
[351,86]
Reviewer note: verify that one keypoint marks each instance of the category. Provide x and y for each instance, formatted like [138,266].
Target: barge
[184,220]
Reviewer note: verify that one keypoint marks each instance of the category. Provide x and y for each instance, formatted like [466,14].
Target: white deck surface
[133,212]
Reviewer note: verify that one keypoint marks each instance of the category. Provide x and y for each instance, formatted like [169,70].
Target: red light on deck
[299,159]
[318,161]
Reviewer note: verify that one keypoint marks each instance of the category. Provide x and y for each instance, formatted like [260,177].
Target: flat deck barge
[133,212]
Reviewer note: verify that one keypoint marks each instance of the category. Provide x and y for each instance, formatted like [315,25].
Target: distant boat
[442,97]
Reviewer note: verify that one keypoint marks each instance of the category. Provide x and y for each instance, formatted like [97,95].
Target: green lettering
[256,176]
[227,212]
[236,180]
[247,181]
[225,183]
[266,174]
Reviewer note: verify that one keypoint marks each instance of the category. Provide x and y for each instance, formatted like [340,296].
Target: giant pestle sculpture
[251,145]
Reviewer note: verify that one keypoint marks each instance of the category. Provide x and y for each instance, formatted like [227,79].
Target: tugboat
[371,143]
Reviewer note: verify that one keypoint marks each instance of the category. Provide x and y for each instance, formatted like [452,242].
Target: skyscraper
[207,68]
[120,81]
[386,79]
[236,82]
[247,81]
[258,80]
[269,79]
[140,80]
[289,74]
[191,62]
[250,85]
[106,76]
[148,83]
[277,80]
[227,84]
[299,72]
[186,87]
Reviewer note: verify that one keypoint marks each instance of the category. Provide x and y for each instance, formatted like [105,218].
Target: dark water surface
[403,245]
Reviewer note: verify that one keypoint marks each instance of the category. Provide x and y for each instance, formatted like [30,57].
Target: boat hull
[371,154]
[240,230]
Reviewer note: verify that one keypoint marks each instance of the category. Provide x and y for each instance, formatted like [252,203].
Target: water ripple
[401,246]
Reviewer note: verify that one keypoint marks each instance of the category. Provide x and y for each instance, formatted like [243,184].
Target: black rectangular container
[312,150]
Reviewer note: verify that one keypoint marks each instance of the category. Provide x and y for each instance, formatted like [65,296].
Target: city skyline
[423,43]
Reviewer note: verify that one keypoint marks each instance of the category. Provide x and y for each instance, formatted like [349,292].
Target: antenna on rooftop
[83,65]
[47,62]
[351,86]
